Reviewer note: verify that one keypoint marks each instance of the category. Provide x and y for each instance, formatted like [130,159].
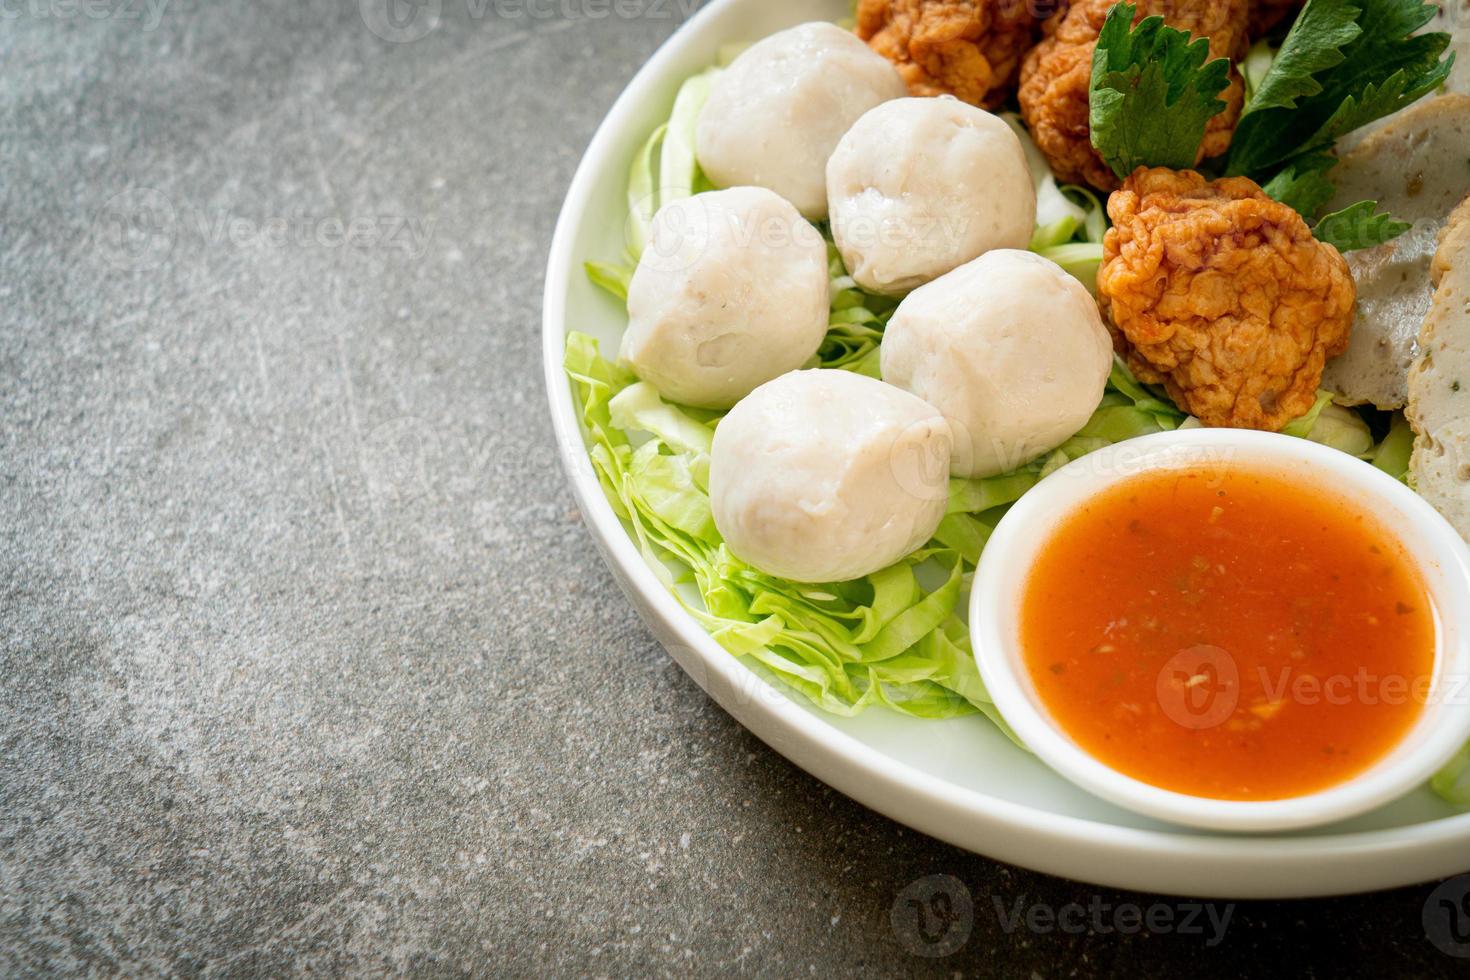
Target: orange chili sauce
[1228,633]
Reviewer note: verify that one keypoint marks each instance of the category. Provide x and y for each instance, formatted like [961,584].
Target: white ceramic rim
[1442,559]
[1071,847]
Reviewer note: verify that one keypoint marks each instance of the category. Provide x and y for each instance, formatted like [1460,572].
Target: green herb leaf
[1359,225]
[1344,64]
[1152,93]
[1313,46]
[1303,184]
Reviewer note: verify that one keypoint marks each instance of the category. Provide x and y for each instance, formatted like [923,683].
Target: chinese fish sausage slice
[1418,168]
[1439,382]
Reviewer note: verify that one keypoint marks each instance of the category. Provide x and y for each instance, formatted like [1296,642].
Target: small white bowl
[1429,541]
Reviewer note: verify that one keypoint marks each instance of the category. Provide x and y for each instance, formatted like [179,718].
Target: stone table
[308,662]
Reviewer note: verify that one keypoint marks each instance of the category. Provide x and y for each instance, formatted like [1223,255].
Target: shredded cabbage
[1299,427]
[1450,782]
[1079,259]
[613,278]
[1070,220]
[1393,453]
[1342,429]
[678,171]
[665,168]
[1057,216]
[1256,64]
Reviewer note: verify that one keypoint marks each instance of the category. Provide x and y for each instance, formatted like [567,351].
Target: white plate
[960,781]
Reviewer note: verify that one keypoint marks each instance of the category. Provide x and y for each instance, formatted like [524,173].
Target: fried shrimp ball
[970,49]
[1223,296]
[1057,76]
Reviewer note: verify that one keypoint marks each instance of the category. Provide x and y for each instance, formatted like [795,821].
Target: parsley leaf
[1314,45]
[1359,225]
[1152,93]
[1344,64]
[1303,183]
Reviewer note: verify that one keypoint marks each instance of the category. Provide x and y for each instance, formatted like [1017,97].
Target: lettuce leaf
[678,171]
[1342,429]
[1302,425]
[643,198]
[1078,259]
[1164,412]
[1057,216]
[855,325]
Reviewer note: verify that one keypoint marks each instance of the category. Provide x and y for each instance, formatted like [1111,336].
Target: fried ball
[1223,296]
[1057,76]
[971,49]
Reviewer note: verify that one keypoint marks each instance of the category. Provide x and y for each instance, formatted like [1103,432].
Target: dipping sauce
[1228,633]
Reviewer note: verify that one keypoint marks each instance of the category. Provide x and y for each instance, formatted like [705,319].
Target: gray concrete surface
[308,664]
